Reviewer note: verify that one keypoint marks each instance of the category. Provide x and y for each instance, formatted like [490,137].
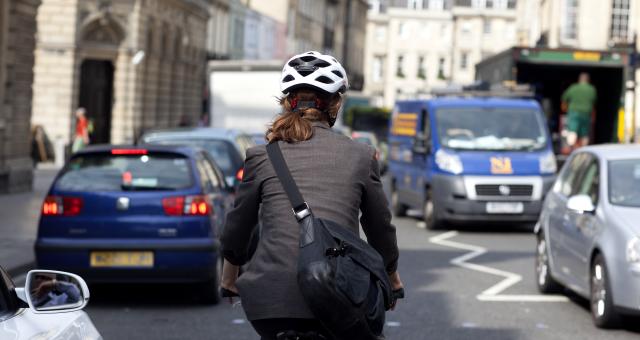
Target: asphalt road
[443,299]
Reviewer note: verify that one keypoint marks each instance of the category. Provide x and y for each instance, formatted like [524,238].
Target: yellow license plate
[121,259]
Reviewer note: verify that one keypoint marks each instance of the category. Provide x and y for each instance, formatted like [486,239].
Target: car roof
[102,148]
[197,133]
[614,151]
[461,102]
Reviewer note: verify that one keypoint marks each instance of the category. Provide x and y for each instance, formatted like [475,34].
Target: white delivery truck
[243,94]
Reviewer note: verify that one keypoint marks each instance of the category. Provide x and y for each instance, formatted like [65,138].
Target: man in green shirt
[580,98]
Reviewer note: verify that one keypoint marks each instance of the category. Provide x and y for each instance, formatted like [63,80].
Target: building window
[478,3]
[378,69]
[422,67]
[501,4]
[570,19]
[436,4]
[399,67]
[374,6]
[464,60]
[402,30]
[441,62]
[620,21]
[486,26]
[380,33]
[414,4]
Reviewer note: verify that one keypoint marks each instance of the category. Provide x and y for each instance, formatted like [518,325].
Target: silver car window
[566,183]
[624,182]
[589,182]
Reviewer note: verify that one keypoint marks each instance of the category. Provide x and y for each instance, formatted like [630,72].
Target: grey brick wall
[17,45]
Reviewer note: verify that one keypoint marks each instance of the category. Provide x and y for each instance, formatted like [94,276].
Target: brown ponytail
[295,126]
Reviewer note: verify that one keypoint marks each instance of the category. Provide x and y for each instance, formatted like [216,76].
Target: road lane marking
[493,292]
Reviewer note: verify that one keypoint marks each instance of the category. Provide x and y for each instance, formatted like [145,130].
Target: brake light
[240,174]
[61,206]
[173,206]
[197,205]
[189,205]
[50,206]
[129,151]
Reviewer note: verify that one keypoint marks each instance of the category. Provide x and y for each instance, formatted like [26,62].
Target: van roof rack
[507,89]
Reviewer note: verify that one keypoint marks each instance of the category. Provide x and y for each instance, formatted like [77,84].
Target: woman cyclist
[338,177]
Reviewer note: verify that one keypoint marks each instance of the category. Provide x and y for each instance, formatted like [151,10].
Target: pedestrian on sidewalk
[81,135]
[578,99]
[339,178]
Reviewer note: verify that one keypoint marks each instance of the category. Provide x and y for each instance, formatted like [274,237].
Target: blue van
[470,159]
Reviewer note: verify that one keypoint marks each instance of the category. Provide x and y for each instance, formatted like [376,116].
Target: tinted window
[363,140]
[589,181]
[480,129]
[244,142]
[566,183]
[624,182]
[223,152]
[106,172]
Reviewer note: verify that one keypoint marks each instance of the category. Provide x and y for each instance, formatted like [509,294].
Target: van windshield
[498,129]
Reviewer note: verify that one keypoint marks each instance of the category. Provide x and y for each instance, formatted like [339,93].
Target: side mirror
[420,144]
[49,291]
[581,204]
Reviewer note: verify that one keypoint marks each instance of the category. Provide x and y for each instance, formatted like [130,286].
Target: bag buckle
[303,211]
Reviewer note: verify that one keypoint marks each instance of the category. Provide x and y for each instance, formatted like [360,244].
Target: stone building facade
[413,46]
[133,64]
[17,43]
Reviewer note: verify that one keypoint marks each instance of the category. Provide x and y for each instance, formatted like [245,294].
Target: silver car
[588,232]
[48,307]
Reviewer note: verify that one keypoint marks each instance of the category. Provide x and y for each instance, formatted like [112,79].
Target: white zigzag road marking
[492,293]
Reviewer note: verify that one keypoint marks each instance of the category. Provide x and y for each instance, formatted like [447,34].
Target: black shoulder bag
[341,277]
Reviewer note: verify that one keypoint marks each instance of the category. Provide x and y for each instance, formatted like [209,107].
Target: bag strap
[299,206]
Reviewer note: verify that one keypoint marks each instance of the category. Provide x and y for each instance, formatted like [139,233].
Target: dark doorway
[96,96]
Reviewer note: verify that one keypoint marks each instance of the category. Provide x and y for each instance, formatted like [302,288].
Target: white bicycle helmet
[316,70]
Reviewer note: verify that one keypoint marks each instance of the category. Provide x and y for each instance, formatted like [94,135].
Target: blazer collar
[319,124]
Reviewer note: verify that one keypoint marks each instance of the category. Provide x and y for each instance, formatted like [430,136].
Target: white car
[50,308]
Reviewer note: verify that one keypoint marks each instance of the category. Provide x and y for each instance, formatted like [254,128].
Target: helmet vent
[322,63]
[308,58]
[324,80]
[294,63]
[288,78]
[338,73]
[305,72]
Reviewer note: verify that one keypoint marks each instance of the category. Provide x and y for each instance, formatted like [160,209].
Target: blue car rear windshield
[496,129]
[106,172]
[223,152]
[624,182]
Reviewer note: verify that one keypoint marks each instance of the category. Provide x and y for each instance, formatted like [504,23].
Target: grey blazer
[338,178]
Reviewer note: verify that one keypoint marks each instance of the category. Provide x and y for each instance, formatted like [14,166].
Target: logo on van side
[501,165]
[404,124]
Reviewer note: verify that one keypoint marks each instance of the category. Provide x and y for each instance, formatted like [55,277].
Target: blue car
[227,146]
[136,214]
[470,159]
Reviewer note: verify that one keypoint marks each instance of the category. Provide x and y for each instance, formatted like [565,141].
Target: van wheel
[546,284]
[398,209]
[601,301]
[429,214]
[210,289]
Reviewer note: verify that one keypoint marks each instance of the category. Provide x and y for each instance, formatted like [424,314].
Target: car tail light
[240,174]
[197,205]
[129,151]
[61,206]
[173,206]
[189,205]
